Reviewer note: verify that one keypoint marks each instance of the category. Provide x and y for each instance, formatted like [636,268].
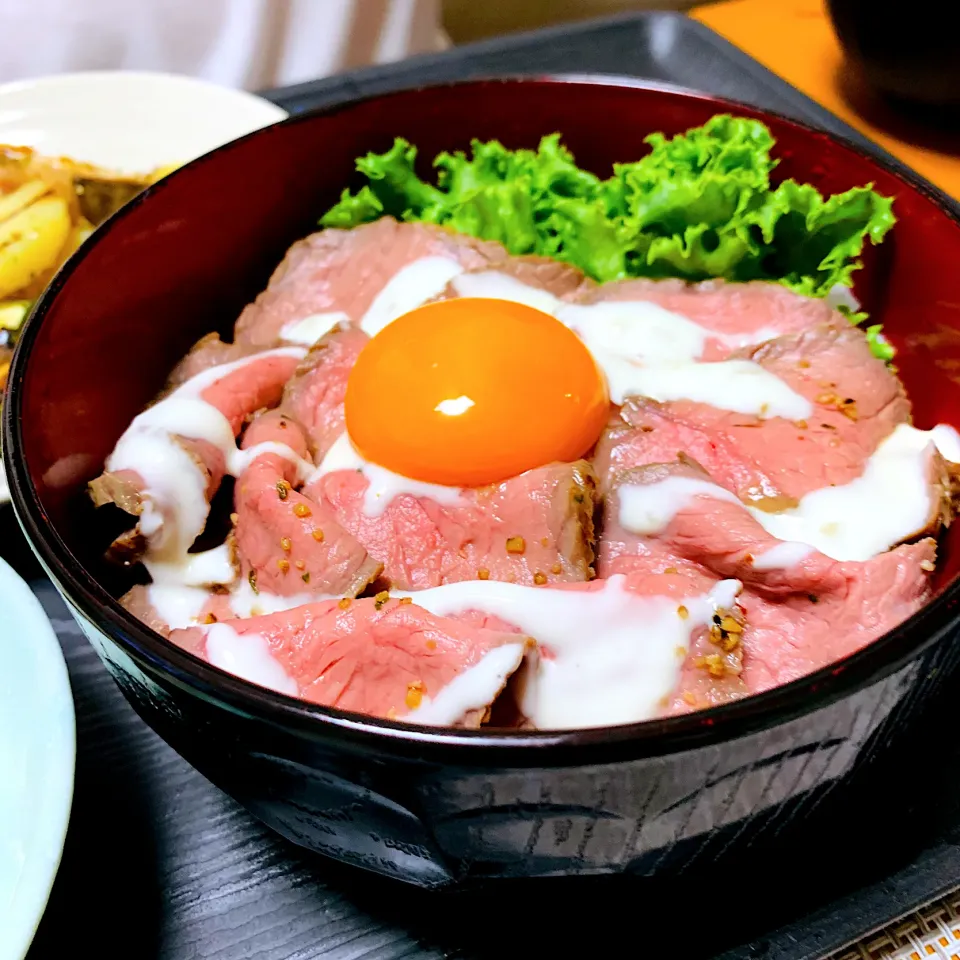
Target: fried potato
[31,242]
[13,313]
[48,208]
[22,197]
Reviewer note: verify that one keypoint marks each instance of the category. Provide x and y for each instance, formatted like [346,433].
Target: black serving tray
[160,864]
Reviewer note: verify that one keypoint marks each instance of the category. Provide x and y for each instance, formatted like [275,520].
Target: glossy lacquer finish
[435,806]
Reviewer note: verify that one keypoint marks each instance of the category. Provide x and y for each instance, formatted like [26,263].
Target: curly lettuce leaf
[705,199]
[812,244]
[699,205]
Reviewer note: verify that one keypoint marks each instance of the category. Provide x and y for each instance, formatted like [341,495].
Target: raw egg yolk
[472,391]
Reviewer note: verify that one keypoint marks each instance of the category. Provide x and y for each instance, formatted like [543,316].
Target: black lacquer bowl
[906,52]
[435,806]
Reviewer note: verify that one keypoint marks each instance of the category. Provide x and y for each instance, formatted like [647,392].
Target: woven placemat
[933,931]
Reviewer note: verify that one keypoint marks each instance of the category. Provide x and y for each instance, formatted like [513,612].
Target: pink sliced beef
[287,544]
[789,637]
[237,395]
[386,657]
[796,619]
[785,635]
[559,279]
[377,656]
[252,387]
[209,351]
[748,312]
[533,529]
[710,671]
[342,271]
[857,403]
[314,395]
[725,538]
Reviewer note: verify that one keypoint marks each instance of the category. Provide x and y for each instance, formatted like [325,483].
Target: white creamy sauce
[783,556]
[309,330]
[494,285]
[645,350]
[635,333]
[613,654]
[646,332]
[648,508]
[180,605]
[151,519]
[247,656]
[409,288]
[474,689]
[947,441]
[239,460]
[197,569]
[383,484]
[177,606]
[889,502]
[640,328]
[738,385]
[175,504]
[245,603]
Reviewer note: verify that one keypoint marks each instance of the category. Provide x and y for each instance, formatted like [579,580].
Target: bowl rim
[98,117]
[467,748]
[78,79]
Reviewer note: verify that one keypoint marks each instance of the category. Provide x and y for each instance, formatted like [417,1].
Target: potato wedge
[161,172]
[31,241]
[13,313]
[81,230]
[22,197]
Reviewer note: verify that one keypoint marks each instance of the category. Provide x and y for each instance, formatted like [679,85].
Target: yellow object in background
[795,39]
[23,196]
[31,242]
[161,172]
[13,313]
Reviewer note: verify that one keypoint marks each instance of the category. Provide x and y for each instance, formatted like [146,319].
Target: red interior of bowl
[186,259]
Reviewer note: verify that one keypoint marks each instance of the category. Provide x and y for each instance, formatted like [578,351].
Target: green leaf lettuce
[699,205]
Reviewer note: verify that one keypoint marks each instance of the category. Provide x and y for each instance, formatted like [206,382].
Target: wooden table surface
[795,39]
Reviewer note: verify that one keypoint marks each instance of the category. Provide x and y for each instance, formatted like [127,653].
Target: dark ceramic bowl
[435,806]
[908,52]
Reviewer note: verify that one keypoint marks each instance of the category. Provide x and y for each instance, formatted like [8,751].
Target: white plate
[37,754]
[127,120]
